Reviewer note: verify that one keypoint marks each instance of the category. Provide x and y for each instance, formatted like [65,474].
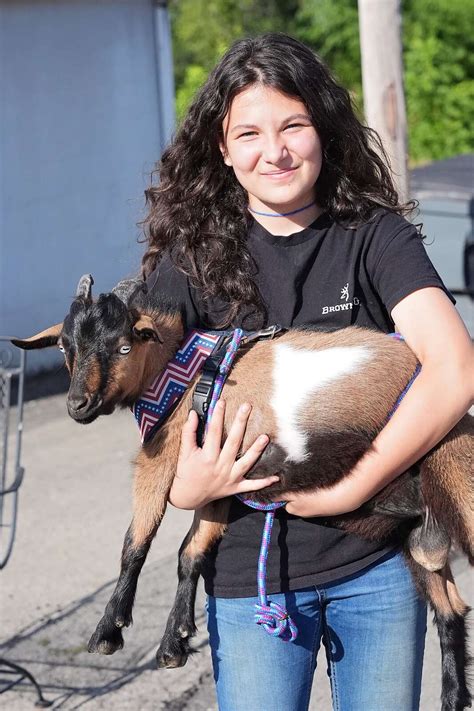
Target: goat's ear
[145,329]
[44,339]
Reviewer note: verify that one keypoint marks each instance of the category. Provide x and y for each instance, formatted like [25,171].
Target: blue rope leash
[273,617]
[224,368]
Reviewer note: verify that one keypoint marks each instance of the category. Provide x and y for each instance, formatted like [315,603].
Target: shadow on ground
[55,651]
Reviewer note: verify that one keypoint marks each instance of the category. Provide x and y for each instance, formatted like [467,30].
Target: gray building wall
[86,107]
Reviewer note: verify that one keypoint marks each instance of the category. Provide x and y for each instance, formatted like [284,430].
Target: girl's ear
[225,155]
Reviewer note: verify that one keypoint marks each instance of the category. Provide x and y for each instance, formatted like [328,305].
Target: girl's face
[273,148]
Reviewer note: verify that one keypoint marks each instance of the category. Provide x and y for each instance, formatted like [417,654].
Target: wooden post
[382,78]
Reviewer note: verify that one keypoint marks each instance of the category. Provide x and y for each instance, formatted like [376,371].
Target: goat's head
[113,346]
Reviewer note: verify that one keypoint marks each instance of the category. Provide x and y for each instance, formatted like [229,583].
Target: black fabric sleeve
[167,284]
[398,263]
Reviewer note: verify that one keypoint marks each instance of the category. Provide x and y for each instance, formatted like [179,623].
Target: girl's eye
[61,348]
[290,125]
[123,350]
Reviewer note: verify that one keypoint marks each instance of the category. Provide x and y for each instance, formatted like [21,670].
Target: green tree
[204,29]
[331,28]
[439,83]
[438,40]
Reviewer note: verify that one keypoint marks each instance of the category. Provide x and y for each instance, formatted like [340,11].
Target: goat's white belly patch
[296,374]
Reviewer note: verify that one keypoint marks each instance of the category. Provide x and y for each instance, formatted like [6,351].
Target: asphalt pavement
[74,508]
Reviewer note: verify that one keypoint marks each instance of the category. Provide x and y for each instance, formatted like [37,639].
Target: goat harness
[201,351]
[211,353]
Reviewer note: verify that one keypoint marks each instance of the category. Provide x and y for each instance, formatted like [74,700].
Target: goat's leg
[441,497]
[448,484]
[450,613]
[207,527]
[148,511]
[108,637]
[447,490]
[428,541]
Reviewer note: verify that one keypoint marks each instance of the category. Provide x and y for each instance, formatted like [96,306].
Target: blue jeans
[372,625]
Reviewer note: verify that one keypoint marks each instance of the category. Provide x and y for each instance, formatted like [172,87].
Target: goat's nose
[78,404]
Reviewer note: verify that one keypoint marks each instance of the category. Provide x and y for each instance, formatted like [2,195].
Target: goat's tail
[450,612]
[447,483]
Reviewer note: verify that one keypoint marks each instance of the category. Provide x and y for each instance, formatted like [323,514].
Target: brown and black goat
[116,345]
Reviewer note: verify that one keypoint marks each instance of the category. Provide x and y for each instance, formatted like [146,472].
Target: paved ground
[74,510]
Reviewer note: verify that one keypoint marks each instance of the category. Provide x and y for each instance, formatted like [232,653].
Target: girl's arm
[438,398]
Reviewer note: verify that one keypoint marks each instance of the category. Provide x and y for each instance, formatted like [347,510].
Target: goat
[116,345]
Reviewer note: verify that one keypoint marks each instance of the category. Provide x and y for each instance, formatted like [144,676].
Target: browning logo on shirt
[347,306]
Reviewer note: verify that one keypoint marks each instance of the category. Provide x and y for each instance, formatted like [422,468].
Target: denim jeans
[372,625]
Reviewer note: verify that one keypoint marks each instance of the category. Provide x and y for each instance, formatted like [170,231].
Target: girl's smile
[277,174]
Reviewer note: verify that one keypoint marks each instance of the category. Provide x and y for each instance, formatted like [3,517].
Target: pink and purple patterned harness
[159,401]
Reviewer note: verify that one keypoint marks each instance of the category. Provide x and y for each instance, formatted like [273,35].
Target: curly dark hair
[198,209]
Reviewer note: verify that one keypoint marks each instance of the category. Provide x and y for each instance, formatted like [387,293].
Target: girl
[275,206]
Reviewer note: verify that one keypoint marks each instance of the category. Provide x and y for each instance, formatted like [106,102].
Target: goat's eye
[123,350]
[62,349]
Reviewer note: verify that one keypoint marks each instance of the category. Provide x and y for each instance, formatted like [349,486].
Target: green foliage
[203,30]
[332,30]
[438,39]
[194,77]
[439,84]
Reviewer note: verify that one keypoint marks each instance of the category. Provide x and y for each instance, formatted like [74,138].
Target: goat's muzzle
[84,408]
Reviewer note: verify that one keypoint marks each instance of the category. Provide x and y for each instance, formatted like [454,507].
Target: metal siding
[79,133]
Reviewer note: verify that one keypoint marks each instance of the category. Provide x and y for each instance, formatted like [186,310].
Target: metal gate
[12,373]
[12,377]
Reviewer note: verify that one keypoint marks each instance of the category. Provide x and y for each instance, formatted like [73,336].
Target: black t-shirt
[327,276]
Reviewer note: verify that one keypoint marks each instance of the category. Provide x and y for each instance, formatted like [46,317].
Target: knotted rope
[273,617]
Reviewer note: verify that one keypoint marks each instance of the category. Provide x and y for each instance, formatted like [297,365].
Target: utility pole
[382,79]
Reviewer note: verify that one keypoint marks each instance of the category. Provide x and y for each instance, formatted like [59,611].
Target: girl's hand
[211,472]
[338,499]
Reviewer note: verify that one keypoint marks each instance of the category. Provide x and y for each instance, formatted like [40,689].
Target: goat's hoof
[172,654]
[105,640]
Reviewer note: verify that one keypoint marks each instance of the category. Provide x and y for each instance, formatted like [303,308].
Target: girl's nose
[274,150]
